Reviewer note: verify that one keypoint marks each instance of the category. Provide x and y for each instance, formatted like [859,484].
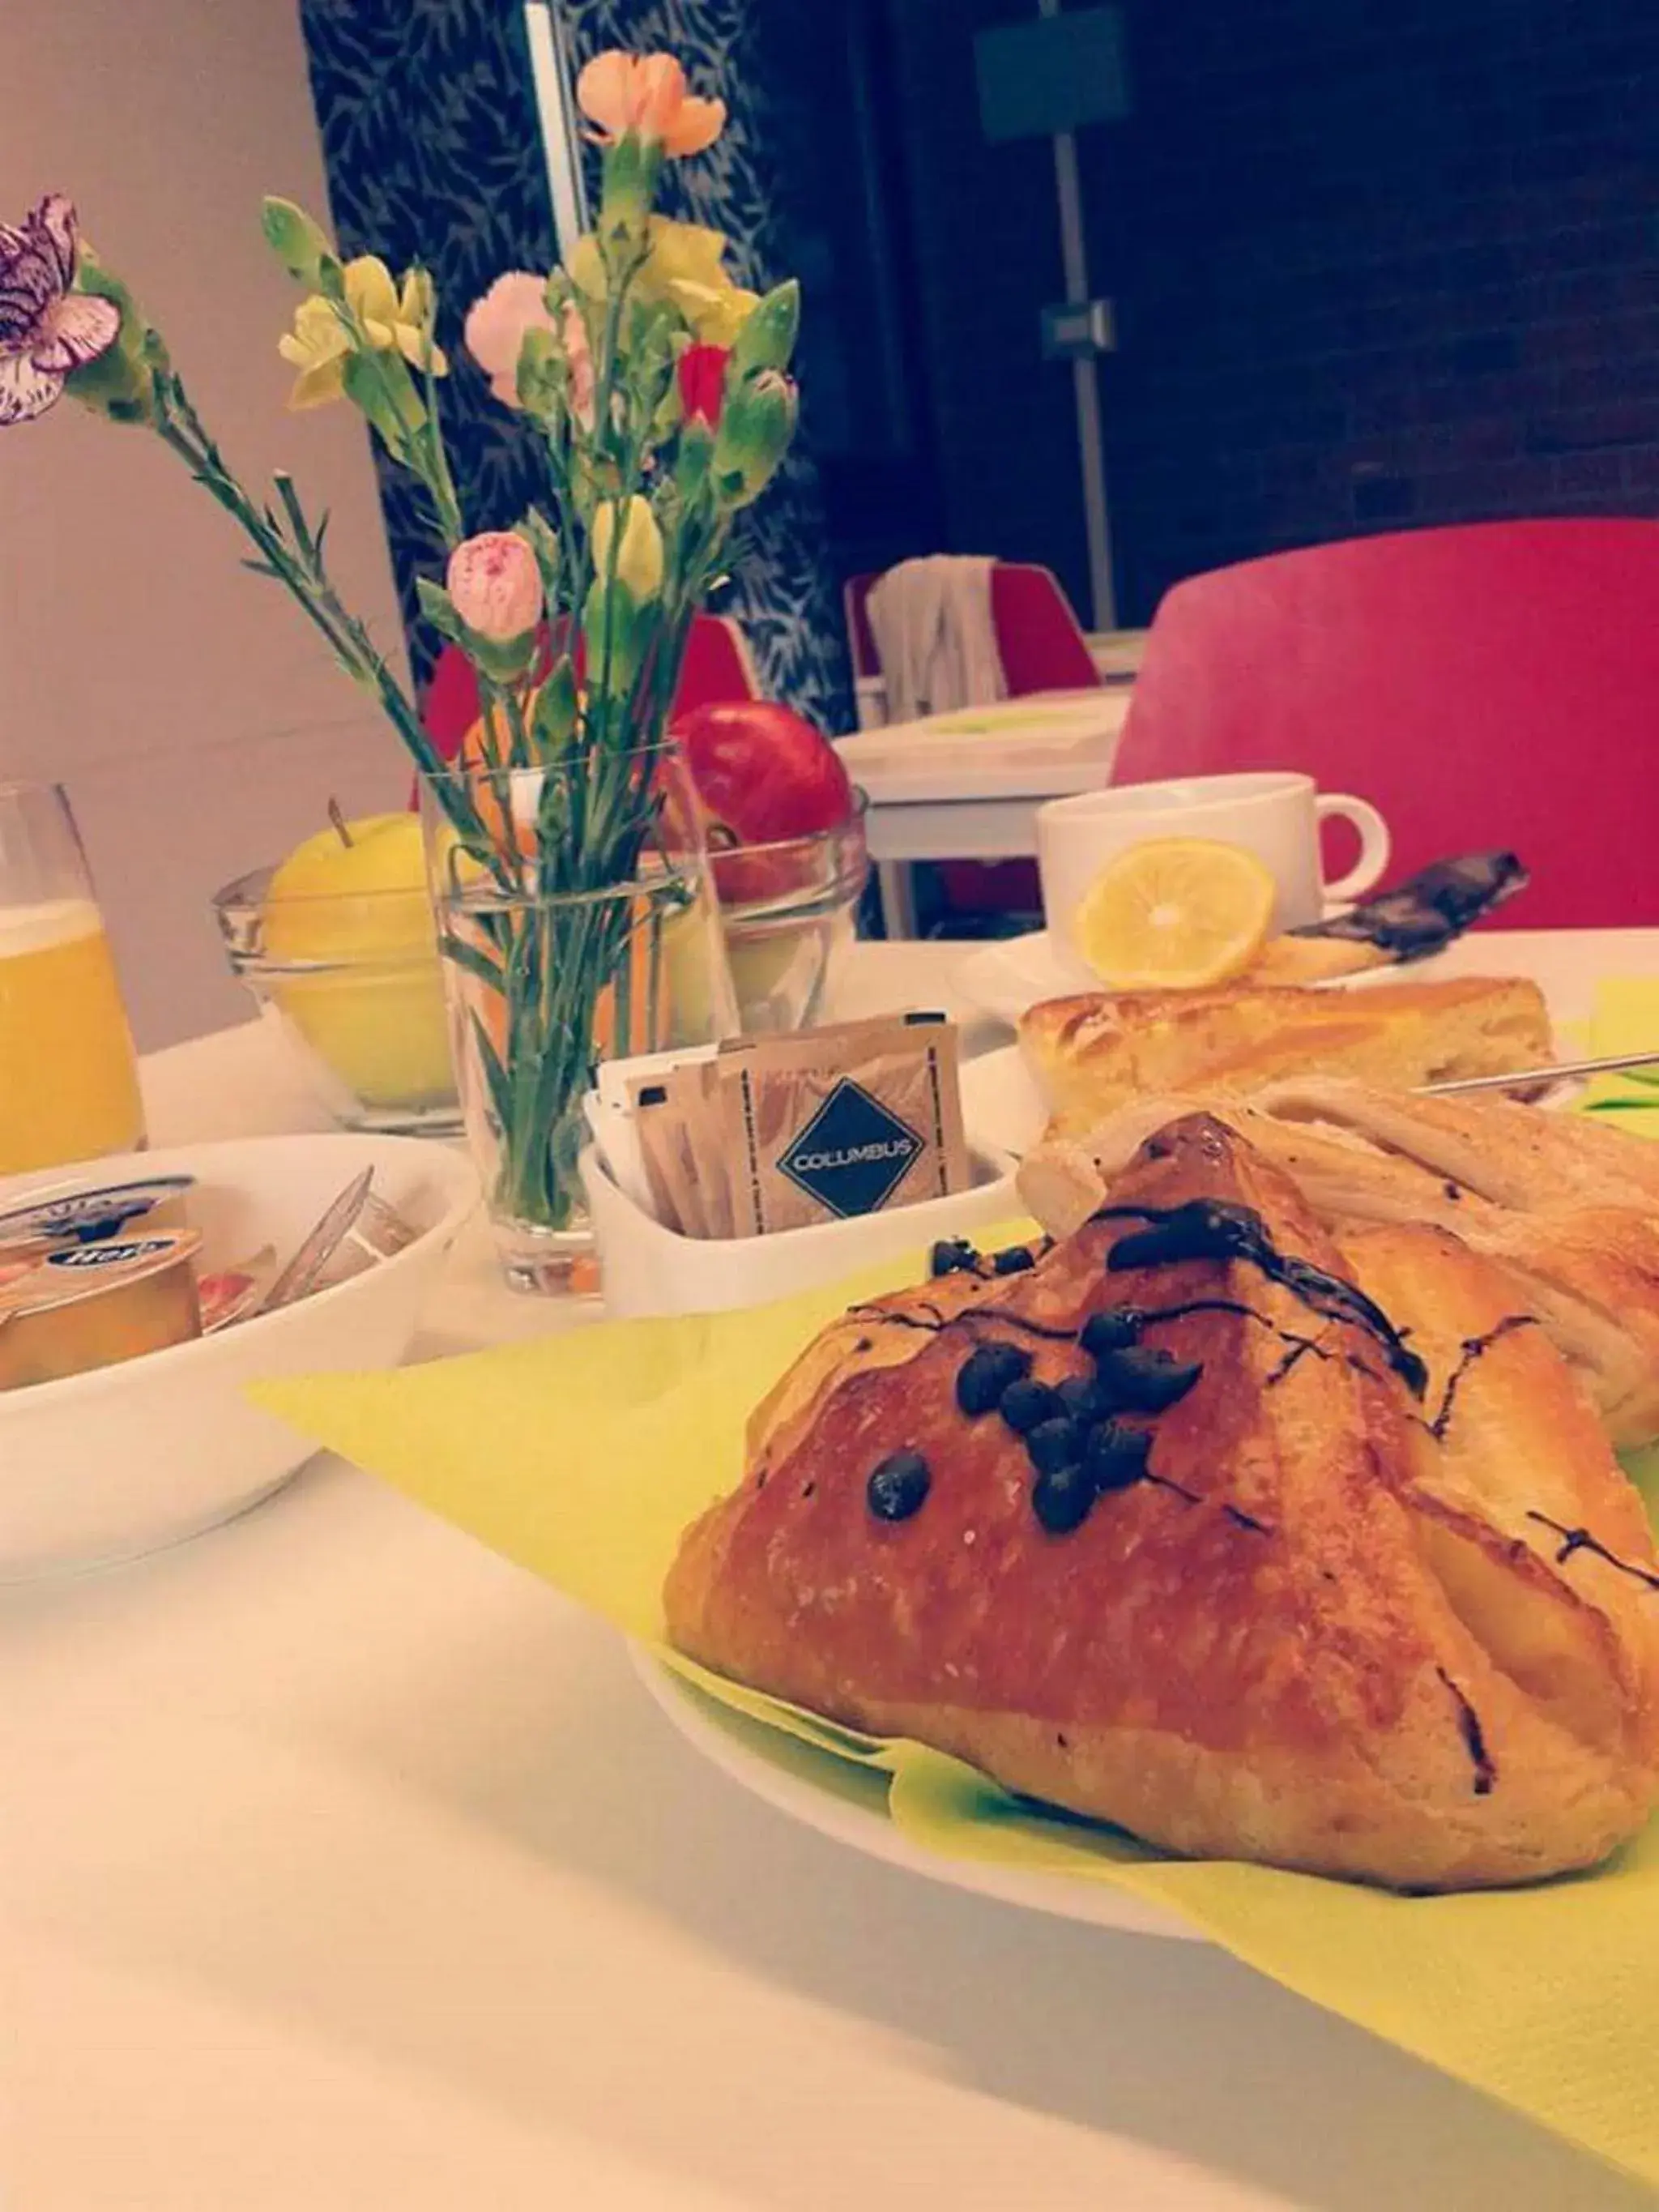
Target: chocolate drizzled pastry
[1283,1619]
[1206,1229]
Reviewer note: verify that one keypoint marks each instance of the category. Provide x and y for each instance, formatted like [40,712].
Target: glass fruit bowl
[789,911]
[352,981]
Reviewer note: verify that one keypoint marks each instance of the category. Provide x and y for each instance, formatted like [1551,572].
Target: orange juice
[68,1084]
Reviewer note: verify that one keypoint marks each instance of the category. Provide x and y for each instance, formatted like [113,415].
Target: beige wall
[199,726]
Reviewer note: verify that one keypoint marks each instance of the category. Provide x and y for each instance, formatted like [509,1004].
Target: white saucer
[1003,1112]
[1009,974]
[848,1803]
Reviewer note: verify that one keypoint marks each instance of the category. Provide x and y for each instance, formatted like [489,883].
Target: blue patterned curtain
[434,150]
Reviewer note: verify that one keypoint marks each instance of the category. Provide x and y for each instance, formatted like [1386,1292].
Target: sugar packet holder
[772,1134]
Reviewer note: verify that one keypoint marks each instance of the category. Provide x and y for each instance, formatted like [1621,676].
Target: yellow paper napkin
[582,1457]
[1626,1019]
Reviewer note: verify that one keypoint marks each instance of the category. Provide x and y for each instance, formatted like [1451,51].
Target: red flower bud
[703,382]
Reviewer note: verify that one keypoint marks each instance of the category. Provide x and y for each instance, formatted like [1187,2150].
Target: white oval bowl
[107,1466]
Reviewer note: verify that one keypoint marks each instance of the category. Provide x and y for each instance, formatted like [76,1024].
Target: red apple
[763,774]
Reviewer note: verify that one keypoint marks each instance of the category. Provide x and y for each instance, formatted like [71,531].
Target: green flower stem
[293,557]
[420,450]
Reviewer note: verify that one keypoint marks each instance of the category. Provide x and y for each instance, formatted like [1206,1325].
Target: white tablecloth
[343,1867]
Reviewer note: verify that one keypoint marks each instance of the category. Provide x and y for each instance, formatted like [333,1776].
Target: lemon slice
[1177,913]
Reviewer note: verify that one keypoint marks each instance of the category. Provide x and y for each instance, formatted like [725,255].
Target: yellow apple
[352,900]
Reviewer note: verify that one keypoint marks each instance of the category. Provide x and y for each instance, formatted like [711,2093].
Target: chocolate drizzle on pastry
[1580,1540]
[1474,1738]
[1213,1228]
[1473,1348]
[929,1318]
[934,1321]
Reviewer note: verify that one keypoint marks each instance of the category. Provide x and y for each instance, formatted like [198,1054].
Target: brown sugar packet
[658,1104]
[708,1149]
[825,1124]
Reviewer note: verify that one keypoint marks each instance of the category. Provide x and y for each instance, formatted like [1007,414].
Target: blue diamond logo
[853,1154]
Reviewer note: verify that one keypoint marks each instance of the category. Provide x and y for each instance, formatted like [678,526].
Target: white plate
[848,1803]
[1003,1112]
[1009,974]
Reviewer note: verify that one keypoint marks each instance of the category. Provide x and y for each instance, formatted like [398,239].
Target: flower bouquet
[565,858]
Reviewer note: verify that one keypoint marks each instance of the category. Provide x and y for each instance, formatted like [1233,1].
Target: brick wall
[1379,263]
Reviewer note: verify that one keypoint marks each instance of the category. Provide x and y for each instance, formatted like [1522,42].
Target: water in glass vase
[558,953]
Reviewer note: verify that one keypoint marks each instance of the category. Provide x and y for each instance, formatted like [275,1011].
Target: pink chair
[717,665]
[1041,646]
[1490,685]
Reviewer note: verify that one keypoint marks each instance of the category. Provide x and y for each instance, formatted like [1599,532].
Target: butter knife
[1561,1071]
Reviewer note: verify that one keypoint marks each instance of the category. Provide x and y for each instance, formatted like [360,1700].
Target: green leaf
[439,610]
[477,964]
[295,513]
[539,535]
[554,721]
[501,1090]
[541,372]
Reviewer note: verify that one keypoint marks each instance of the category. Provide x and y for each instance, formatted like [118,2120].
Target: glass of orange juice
[69,1082]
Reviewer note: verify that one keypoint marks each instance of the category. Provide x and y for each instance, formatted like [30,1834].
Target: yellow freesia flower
[320,341]
[685,263]
[716,312]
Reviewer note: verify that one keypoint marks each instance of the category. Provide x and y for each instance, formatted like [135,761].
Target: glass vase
[577,923]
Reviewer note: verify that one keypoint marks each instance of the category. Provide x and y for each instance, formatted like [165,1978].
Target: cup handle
[1374,844]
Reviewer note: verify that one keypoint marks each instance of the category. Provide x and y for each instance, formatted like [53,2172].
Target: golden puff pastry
[1568,1205]
[1254,1543]
[1094,1054]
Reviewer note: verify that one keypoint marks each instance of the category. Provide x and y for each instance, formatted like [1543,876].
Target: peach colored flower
[496,585]
[496,328]
[645,94]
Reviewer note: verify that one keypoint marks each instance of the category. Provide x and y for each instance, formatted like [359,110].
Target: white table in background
[1117,655]
[345,1868]
[966,785]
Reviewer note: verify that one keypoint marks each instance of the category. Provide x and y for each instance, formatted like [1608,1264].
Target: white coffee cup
[1273,814]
